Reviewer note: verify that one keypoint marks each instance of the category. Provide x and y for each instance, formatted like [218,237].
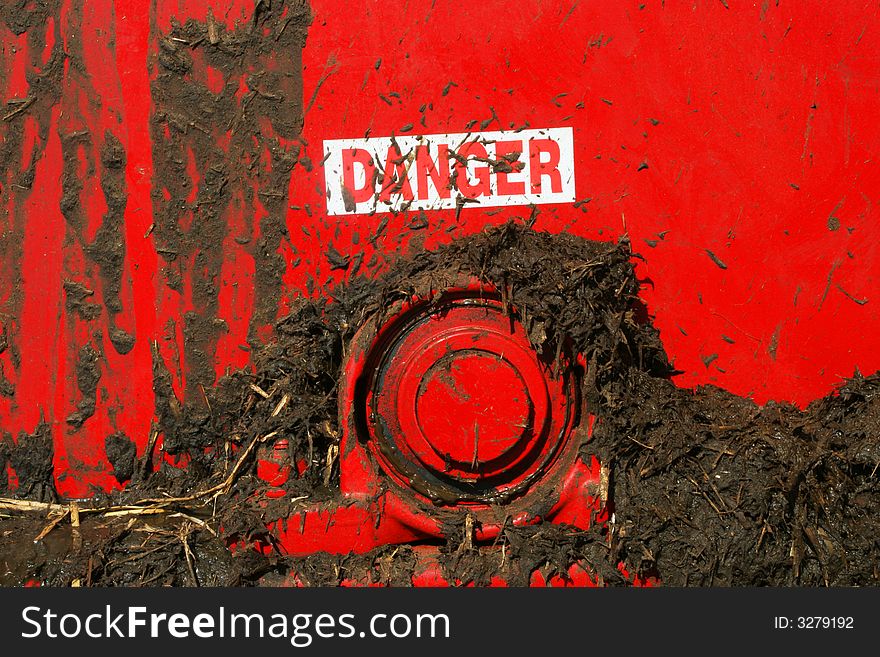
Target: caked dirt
[705,488]
[224,124]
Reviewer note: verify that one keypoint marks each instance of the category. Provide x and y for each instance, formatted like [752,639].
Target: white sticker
[435,172]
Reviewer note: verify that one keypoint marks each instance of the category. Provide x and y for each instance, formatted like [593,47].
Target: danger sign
[434,172]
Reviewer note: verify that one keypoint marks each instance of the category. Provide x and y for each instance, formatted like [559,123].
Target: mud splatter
[86,157]
[5,452]
[228,109]
[121,340]
[77,301]
[31,459]
[7,388]
[88,374]
[32,19]
[108,247]
[704,488]
[122,454]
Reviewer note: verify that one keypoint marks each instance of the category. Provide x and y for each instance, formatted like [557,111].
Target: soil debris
[122,454]
[7,388]
[88,374]
[122,340]
[218,147]
[31,460]
[711,490]
[77,301]
[714,258]
[705,488]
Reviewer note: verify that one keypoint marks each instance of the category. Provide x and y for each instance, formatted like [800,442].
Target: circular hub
[457,405]
[462,391]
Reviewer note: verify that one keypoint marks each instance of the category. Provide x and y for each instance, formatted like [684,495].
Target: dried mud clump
[710,489]
[122,454]
[5,451]
[31,459]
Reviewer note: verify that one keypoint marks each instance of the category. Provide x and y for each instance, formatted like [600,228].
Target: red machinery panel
[732,142]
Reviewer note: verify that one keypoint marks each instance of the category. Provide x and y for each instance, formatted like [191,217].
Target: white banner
[434,172]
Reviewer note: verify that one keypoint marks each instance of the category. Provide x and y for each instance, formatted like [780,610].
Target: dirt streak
[227,111]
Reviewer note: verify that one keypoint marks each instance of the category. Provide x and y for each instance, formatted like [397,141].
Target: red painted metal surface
[393,493]
[735,143]
[755,122]
[455,398]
